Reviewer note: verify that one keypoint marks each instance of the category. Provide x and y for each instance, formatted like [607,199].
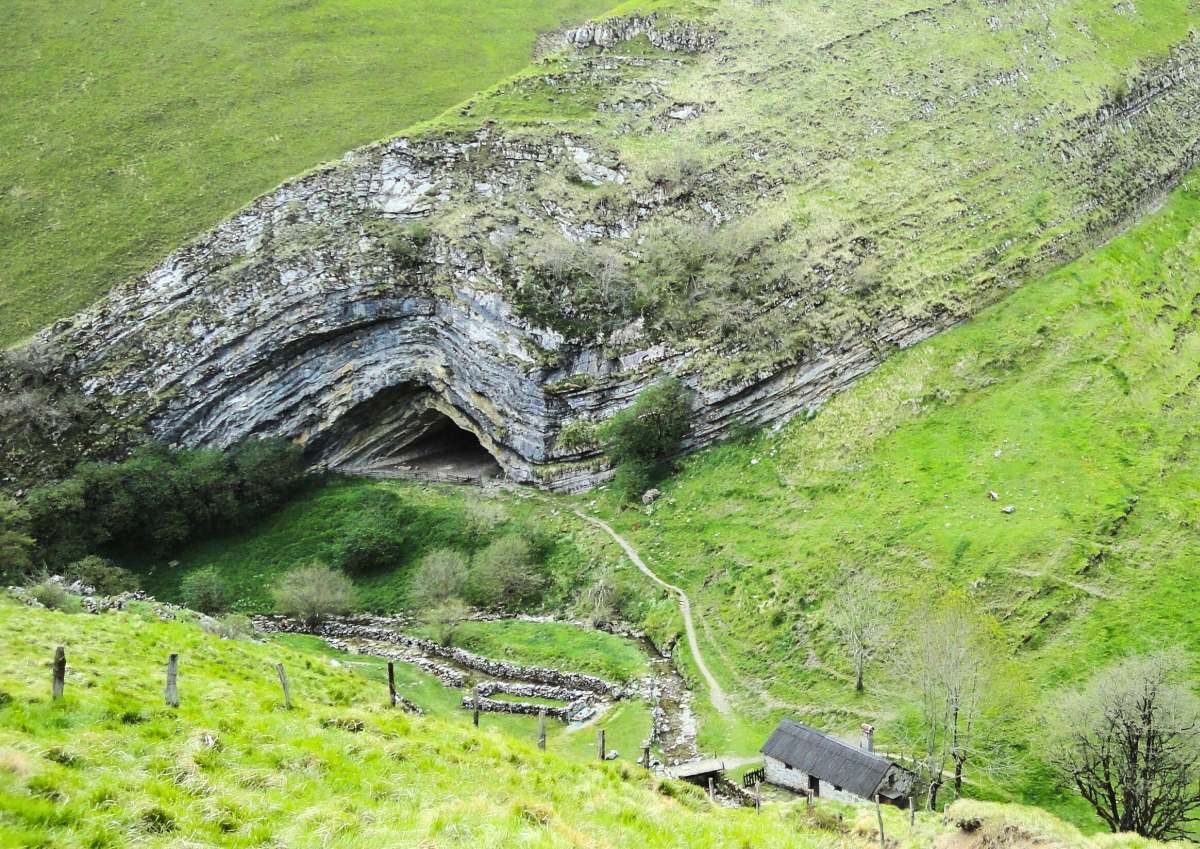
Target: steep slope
[128,128]
[1074,401]
[767,199]
[109,765]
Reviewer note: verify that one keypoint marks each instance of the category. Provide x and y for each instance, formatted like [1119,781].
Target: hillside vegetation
[1073,401]
[109,765]
[130,127]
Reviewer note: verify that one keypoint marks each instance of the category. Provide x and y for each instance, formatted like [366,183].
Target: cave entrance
[447,452]
[406,432]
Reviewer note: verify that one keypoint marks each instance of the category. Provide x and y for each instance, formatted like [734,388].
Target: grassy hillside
[318,524]
[1074,400]
[130,127]
[109,765]
[625,725]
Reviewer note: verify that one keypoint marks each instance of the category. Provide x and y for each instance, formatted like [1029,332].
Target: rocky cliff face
[522,277]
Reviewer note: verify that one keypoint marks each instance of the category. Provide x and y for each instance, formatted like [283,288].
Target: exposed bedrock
[251,332]
[320,312]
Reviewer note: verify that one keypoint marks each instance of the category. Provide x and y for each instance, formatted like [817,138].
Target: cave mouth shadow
[406,431]
[444,451]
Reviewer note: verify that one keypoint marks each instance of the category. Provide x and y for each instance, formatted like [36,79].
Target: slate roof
[800,747]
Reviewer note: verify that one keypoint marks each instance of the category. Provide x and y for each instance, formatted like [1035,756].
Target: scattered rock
[993,496]
[1008,508]
[651,495]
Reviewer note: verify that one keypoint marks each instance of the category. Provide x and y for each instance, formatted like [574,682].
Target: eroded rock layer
[765,208]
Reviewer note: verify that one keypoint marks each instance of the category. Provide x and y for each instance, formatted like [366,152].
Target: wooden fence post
[646,754]
[283,682]
[392,682]
[710,788]
[808,796]
[600,743]
[879,814]
[758,797]
[172,692]
[542,729]
[60,673]
[475,715]
[912,813]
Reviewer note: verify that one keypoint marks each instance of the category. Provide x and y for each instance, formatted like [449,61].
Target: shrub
[445,619]
[231,626]
[313,592]
[370,548]
[159,498]
[104,576]
[204,590]
[652,427]
[441,575]
[407,247]
[506,574]
[52,595]
[579,435]
[16,545]
[483,517]
[634,477]
[638,438]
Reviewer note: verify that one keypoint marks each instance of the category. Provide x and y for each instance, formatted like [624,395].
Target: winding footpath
[715,694]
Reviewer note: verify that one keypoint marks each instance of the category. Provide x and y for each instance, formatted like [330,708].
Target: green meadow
[110,765]
[129,128]
[1073,401]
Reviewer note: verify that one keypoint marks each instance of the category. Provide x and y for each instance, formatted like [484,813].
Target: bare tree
[1130,744]
[861,615]
[600,599]
[951,660]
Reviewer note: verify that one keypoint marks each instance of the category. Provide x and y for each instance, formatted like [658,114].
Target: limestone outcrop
[526,280]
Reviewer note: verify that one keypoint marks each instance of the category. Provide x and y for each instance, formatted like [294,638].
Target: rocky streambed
[567,696]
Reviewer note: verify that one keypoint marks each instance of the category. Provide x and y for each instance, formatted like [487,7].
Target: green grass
[554,644]
[315,524]
[130,127]
[625,726]
[109,765]
[1073,400]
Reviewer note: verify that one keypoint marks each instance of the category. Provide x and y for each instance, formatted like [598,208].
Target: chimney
[868,738]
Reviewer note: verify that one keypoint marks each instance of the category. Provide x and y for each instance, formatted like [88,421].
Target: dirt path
[715,694]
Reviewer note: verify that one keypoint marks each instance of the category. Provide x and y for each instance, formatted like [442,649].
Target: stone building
[802,759]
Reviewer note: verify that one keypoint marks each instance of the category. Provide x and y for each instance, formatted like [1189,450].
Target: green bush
[441,576]
[507,574]
[231,626]
[52,595]
[579,435]
[16,544]
[313,592]
[407,247]
[370,548]
[651,427]
[204,590]
[159,498]
[445,619]
[104,576]
[634,477]
[639,438]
